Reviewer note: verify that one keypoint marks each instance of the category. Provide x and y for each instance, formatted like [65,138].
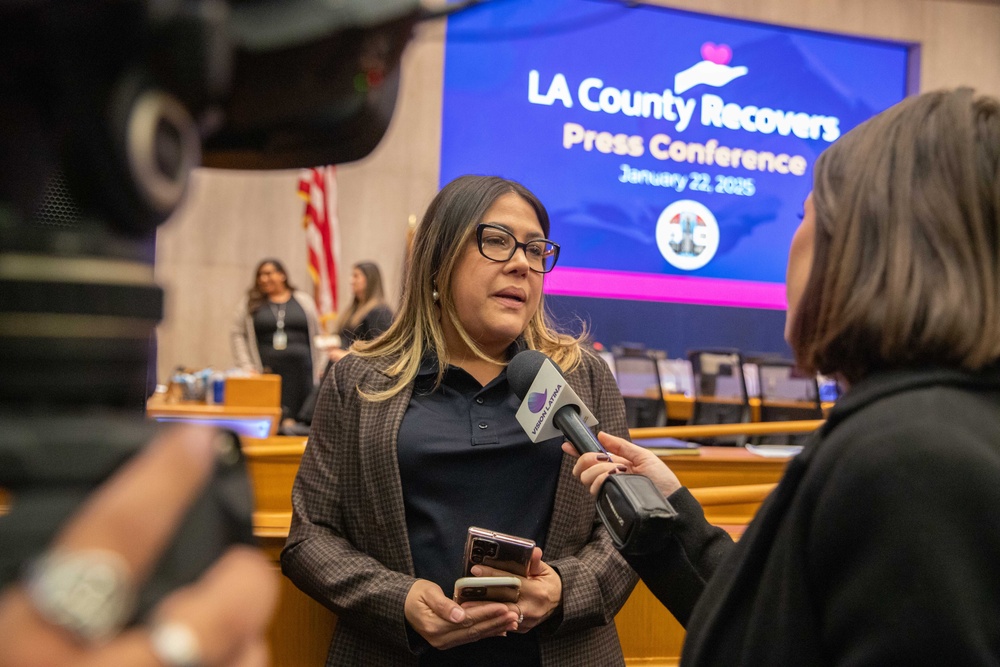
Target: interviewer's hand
[541,591]
[444,624]
[134,515]
[592,469]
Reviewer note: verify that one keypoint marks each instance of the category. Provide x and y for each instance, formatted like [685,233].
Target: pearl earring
[436,296]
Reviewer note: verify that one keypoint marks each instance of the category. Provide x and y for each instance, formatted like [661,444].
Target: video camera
[105,108]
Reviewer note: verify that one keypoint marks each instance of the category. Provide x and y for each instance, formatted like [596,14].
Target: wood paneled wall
[207,252]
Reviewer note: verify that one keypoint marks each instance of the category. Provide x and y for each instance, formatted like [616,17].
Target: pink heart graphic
[720,54]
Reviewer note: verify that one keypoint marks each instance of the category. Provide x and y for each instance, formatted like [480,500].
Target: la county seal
[687,234]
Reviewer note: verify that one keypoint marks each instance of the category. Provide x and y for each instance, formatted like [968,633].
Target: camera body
[51,465]
[107,109]
[638,518]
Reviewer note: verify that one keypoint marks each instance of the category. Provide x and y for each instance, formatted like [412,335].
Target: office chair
[720,392]
[639,381]
[786,394]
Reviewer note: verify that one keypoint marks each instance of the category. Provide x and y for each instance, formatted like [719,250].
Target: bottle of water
[217,388]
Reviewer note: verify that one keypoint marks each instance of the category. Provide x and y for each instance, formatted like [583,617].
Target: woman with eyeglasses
[415,439]
[273,329]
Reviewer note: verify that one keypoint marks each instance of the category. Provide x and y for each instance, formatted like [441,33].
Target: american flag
[318,188]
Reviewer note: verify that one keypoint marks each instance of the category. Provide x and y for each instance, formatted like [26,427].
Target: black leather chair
[638,376]
[720,391]
[786,394]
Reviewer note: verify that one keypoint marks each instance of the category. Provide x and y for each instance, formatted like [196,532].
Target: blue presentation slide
[673,150]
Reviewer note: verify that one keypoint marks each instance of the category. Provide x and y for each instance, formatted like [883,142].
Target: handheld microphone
[633,510]
[549,405]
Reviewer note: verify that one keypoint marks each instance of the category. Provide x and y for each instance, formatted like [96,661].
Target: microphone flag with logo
[638,518]
[547,393]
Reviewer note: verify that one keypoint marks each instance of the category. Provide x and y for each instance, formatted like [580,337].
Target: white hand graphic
[708,73]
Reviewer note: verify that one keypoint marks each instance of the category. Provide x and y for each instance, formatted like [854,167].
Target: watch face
[85,592]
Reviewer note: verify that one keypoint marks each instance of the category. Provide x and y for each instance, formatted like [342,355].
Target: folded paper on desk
[775,451]
[670,446]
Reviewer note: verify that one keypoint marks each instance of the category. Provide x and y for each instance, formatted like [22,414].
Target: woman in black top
[416,439]
[273,329]
[366,318]
[368,315]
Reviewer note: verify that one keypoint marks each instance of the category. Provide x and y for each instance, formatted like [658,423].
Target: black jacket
[880,546]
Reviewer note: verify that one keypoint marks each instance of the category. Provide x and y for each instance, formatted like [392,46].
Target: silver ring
[175,644]
[520,614]
[86,591]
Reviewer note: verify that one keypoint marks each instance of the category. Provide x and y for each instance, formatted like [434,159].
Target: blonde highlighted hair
[447,226]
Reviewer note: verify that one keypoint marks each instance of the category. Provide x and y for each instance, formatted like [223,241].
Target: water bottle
[218,388]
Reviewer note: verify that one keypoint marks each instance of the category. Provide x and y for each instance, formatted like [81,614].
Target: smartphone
[494,589]
[497,550]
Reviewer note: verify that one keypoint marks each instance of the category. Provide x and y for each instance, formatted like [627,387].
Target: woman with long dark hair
[274,328]
[368,315]
[415,440]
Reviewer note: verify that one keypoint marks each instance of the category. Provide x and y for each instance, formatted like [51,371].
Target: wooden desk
[725,466]
[729,482]
[158,407]
[262,390]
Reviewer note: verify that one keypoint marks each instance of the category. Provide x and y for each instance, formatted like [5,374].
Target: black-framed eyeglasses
[498,244]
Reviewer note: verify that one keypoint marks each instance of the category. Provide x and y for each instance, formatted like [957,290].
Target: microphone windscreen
[522,369]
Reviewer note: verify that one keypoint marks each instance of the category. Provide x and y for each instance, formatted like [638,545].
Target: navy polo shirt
[464,460]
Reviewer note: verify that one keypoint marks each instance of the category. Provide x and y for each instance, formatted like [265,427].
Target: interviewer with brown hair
[880,544]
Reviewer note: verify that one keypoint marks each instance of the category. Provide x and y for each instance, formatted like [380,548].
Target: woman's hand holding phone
[541,591]
[444,624]
[485,589]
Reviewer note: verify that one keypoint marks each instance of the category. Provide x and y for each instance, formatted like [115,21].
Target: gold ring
[520,614]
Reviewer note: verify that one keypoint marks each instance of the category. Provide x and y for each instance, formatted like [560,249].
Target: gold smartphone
[494,589]
[497,550]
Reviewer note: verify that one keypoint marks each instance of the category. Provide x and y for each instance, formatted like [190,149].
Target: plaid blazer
[348,547]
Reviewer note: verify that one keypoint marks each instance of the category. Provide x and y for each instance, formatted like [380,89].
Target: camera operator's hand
[592,469]
[444,624]
[541,591]
[218,621]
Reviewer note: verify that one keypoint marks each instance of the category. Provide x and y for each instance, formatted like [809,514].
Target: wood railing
[719,430]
